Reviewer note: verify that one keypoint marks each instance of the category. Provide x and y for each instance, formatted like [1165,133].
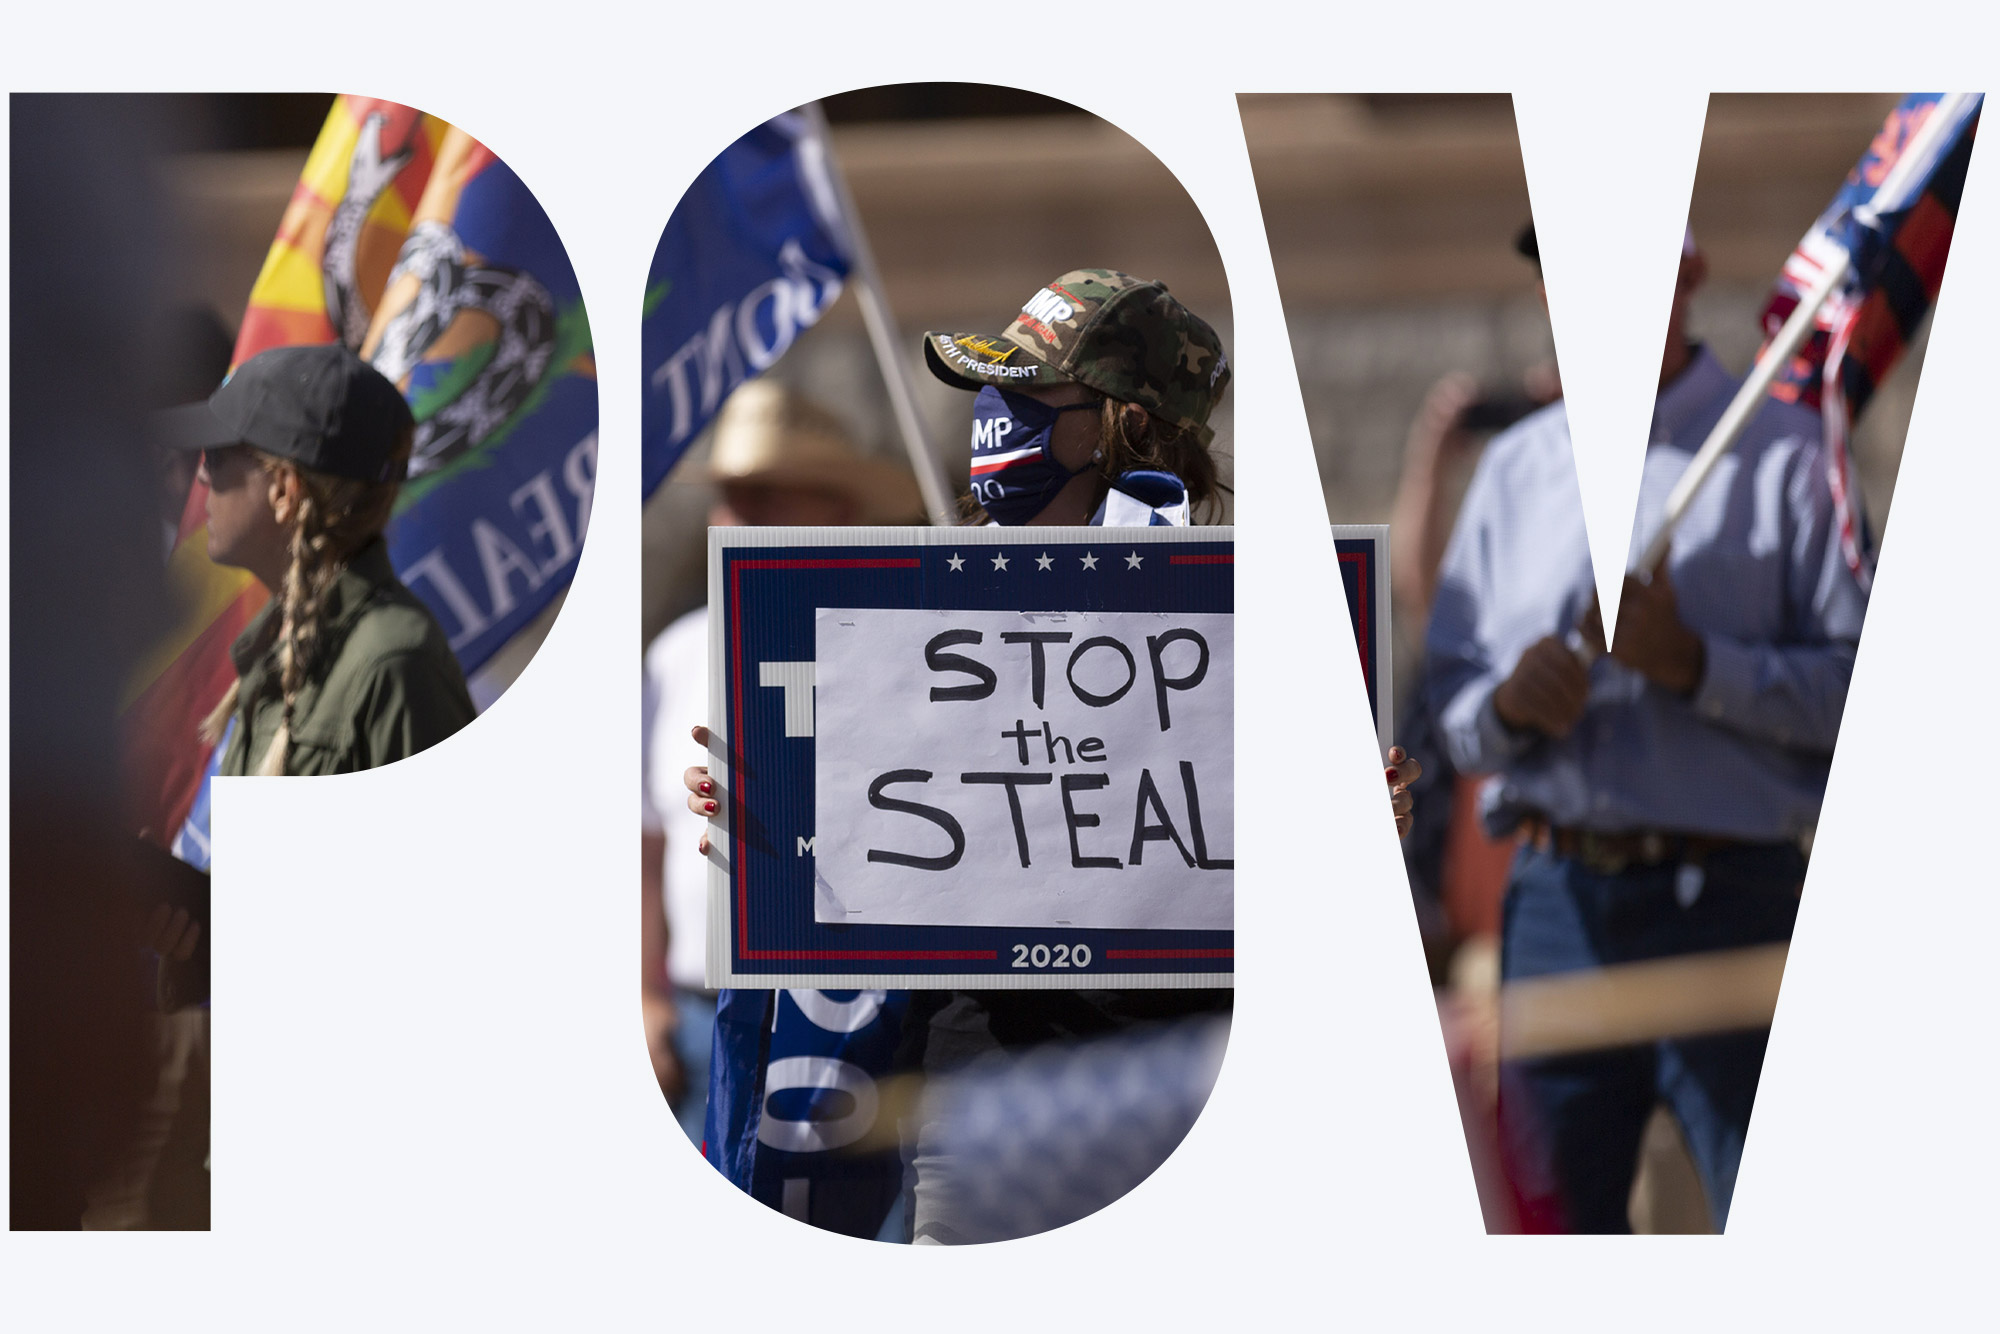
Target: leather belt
[1611,854]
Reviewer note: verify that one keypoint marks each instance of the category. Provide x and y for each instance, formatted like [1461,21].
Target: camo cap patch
[1125,337]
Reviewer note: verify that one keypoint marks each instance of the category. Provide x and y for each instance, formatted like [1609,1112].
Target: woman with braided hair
[303,449]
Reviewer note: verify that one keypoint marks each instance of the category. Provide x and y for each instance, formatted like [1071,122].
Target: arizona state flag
[409,241]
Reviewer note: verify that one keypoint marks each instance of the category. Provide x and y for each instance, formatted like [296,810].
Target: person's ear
[286,490]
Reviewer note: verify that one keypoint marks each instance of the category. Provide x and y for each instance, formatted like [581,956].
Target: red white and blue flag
[1898,242]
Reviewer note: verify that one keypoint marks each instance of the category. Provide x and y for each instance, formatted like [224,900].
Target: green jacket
[385,685]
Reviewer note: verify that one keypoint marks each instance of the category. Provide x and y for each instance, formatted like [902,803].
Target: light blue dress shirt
[1758,568]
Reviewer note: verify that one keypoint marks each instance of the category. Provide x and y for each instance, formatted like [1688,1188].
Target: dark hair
[1130,437]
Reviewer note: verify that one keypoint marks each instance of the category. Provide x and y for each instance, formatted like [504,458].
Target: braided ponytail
[333,518]
[307,580]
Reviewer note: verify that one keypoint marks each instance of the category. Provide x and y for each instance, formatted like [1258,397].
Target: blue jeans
[1575,1121]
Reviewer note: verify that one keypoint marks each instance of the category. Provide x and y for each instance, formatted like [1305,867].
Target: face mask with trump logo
[1015,473]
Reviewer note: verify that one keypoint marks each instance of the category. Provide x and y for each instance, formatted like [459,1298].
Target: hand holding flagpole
[1914,157]
[1918,156]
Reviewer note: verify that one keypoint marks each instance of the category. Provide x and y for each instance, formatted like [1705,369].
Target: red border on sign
[1170,954]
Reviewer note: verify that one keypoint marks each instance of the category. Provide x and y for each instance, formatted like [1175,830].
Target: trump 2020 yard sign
[972,757]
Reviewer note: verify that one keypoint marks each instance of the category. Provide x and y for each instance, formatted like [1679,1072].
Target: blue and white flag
[755,252]
[796,1113]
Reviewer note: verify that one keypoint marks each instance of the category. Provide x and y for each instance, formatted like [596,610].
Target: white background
[432,1106]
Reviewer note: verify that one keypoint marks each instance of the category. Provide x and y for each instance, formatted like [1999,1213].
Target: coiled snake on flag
[448,284]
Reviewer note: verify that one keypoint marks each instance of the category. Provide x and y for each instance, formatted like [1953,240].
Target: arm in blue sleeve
[1792,693]
[1461,674]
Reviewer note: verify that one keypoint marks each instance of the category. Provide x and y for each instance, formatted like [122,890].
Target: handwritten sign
[990,757]
[997,768]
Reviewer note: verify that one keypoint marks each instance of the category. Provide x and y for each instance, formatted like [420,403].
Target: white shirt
[675,702]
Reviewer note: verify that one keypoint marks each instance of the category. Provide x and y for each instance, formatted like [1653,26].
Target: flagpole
[884,337]
[1723,437]
[1781,349]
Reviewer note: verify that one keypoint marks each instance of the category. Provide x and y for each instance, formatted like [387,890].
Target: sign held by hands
[975,757]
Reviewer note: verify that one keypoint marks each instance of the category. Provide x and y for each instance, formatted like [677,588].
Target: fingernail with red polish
[710,806]
[707,788]
[1392,775]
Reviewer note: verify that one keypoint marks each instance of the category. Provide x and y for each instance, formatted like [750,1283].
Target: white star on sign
[1132,561]
[1089,561]
[957,562]
[1044,563]
[1000,562]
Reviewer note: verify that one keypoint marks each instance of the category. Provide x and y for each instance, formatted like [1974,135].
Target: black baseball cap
[319,405]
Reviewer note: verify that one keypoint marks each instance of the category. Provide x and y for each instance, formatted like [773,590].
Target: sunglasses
[221,456]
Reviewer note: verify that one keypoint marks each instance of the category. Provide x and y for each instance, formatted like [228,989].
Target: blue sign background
[1358,557]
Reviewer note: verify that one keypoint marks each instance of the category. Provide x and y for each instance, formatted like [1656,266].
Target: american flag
[1898,239]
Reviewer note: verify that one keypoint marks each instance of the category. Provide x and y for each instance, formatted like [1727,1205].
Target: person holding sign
[1091,408]
[1663,793]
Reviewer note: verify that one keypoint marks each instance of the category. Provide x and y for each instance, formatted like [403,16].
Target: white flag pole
[1750,397]
[1741,408]
[884,337]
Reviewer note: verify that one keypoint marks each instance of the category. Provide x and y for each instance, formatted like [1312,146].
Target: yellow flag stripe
[205,589]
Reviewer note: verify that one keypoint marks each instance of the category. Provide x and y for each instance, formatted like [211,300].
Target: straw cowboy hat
[768,435]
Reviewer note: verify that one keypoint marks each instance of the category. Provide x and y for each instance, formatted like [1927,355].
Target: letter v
[1610,199]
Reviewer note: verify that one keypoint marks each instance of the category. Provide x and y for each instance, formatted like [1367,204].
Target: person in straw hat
[776,458]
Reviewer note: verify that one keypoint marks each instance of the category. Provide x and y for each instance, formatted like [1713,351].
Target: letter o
[816,1072]
[784,327]
[1131,672]
[838,1016]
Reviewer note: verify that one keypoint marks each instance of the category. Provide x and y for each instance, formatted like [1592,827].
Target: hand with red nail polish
[704,794]
[1402,771]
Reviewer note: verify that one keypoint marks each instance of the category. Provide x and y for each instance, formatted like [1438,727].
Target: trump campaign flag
[1893,217]
[409,241]
[755,252]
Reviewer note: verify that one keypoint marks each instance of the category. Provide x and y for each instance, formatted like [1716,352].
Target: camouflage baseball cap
[1125,337]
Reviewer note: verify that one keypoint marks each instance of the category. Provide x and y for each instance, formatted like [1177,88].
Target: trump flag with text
[755,252]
